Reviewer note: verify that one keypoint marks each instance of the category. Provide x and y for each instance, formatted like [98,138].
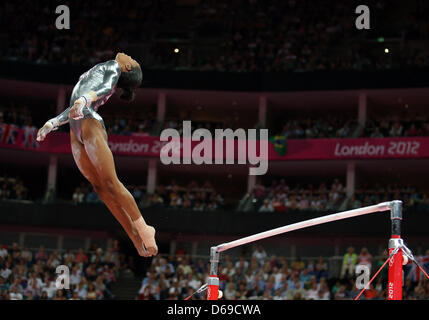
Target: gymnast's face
[126,62]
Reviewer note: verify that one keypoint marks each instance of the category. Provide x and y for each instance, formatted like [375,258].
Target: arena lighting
[386,50]
[176,50]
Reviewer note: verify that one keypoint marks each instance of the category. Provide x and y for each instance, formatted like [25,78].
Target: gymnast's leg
[89,171]
[95,142]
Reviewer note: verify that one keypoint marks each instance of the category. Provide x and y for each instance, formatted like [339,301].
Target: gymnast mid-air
[89,142]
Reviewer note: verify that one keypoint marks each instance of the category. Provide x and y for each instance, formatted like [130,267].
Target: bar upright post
[395,282]
[213,281]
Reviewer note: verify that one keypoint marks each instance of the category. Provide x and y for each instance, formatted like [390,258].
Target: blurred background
[300,69]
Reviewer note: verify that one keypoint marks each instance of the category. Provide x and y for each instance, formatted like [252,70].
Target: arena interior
[346,111]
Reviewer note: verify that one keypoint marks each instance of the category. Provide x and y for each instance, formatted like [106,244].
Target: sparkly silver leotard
[102,79]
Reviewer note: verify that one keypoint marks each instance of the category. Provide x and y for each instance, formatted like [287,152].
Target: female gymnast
[89,142]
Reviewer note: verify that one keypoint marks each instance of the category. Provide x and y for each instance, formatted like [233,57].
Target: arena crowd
[29,274]
[232,36]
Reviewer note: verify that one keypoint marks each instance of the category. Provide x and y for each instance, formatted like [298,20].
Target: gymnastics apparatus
[398,252]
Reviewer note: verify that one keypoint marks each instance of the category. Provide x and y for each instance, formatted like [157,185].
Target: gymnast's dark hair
[129,81]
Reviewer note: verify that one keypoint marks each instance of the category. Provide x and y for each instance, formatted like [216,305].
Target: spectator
[59,295]
[92,197]
[241,263]
[299,292]
[260,254]
[15,294]
[350,260]
[31,292]
[41,254]
[78,196]
[365,259]
[44,296]
[146,295]
[267,207]
[377,133]
[81,290]
[412,131]
[312,293]
[49,288]
[370,293]
[27,255]
[4,285]
[230,291]
[341,294]
[81,257]
[35,281]
[396,129]
[354,203]
[3,251]
[6,271]
[75,296]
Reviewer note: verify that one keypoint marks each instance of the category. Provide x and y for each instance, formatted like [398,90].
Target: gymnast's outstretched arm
[53,124]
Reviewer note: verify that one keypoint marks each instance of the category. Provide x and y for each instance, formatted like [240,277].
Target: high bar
[384,206]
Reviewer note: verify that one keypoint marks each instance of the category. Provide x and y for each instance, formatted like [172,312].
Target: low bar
[384,206]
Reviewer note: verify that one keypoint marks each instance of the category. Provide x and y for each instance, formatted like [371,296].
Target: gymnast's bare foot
[148,239]
[138,244]
[147,235]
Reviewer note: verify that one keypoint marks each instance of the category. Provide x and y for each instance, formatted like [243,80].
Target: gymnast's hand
[76,111]
[48,127]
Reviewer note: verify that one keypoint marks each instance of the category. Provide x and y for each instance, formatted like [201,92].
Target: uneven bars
[384,206]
